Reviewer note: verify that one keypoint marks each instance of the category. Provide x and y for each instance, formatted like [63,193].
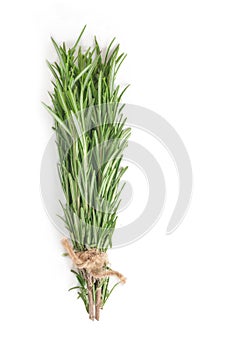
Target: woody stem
[98,302]
[89,280]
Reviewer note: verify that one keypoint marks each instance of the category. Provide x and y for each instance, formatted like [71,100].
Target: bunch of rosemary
[91,137]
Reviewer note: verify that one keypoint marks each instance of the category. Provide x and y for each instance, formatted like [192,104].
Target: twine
[93,261]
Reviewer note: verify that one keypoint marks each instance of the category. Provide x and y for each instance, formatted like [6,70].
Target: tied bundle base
[93,264]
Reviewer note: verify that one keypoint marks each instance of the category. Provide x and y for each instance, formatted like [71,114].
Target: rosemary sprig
[91,137]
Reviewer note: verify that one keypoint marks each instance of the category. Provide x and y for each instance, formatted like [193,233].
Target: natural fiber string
[92,260]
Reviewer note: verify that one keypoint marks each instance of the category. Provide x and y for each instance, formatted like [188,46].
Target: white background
[179,289]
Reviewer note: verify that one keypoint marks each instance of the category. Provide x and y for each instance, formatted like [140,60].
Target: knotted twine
[93,261]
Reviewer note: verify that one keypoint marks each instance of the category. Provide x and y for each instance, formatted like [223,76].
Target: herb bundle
[91,137]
